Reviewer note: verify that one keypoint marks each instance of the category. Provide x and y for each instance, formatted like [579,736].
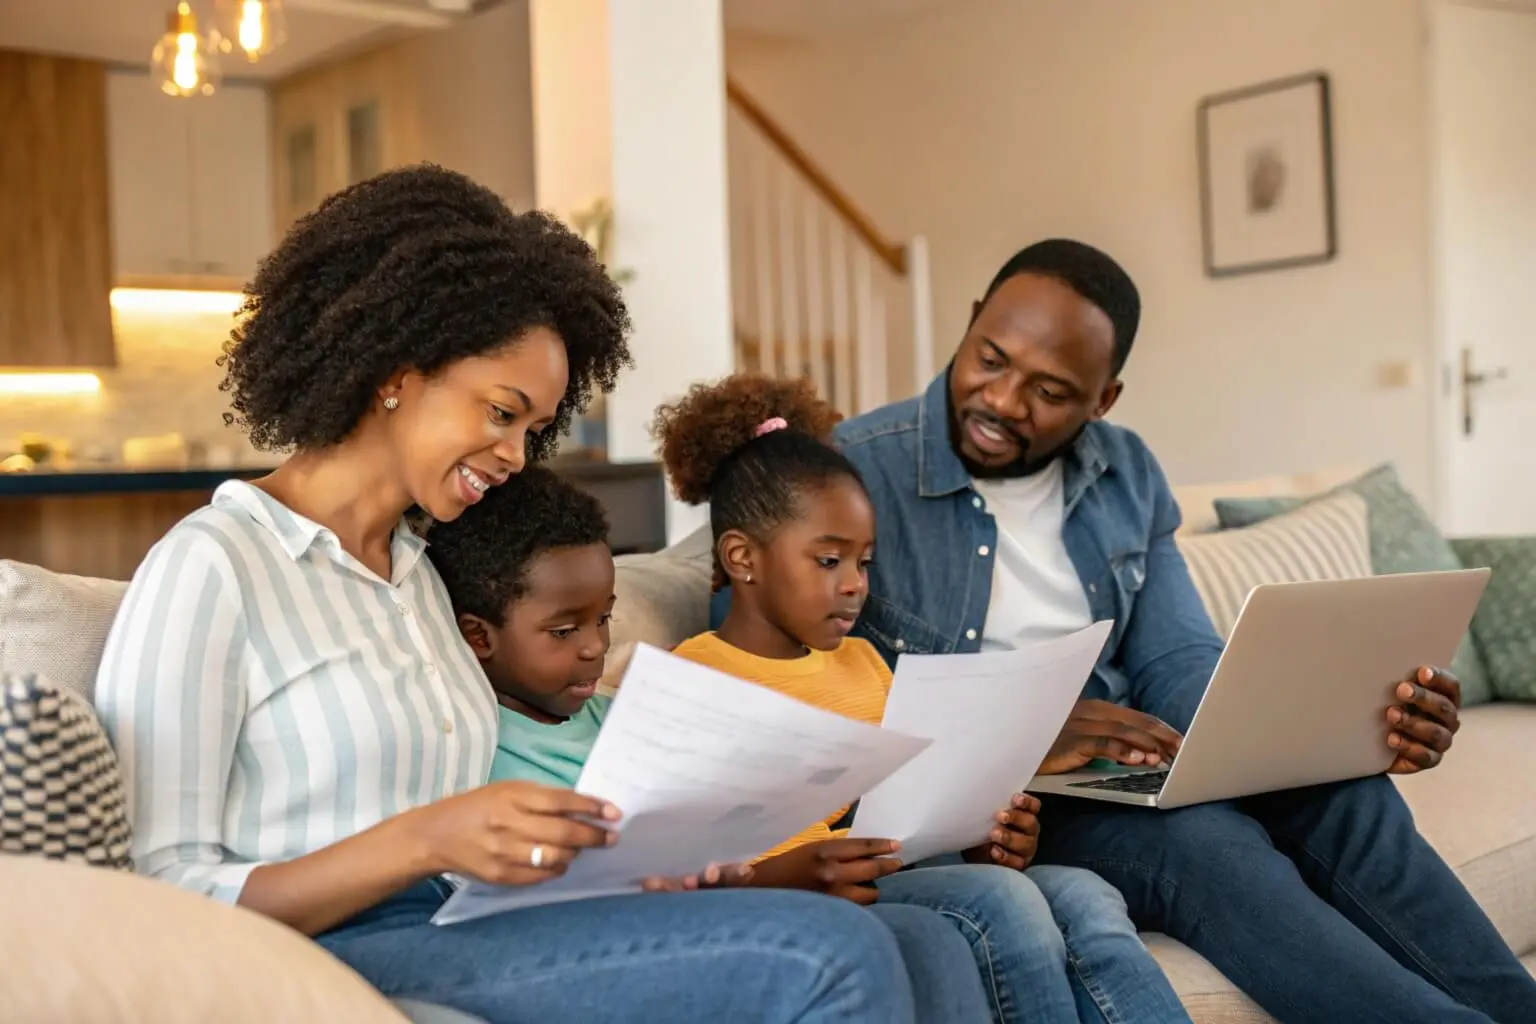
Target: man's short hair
[1091,274]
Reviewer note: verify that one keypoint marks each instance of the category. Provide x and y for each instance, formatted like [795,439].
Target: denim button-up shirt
[931,580]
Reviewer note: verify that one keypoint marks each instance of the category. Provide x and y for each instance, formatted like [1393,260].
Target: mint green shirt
[551,755]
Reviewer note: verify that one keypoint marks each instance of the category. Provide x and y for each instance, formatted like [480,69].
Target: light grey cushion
[662,600]
[55,625]
[1326,540]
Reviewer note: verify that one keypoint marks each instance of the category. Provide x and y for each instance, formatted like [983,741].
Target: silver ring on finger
[537,857]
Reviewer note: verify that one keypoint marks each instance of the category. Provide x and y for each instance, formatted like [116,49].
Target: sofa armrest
[90,946]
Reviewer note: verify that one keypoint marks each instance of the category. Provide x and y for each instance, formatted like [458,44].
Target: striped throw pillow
[1325,540]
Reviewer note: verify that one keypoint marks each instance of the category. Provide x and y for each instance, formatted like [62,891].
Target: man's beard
[1027,463]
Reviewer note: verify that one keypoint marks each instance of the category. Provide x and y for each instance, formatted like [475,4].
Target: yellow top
[851,681]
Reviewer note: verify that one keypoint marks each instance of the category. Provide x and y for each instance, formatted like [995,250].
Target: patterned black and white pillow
[61,795]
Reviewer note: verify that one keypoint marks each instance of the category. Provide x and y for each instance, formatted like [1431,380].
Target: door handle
[1470,379]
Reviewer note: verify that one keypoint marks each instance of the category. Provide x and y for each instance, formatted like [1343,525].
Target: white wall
[993,123]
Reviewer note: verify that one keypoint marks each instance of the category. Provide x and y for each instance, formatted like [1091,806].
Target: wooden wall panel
[105,535]
[55,222]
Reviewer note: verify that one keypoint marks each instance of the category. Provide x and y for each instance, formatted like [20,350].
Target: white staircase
[818,291]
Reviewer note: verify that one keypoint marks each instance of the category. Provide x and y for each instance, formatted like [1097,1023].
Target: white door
[1483,91]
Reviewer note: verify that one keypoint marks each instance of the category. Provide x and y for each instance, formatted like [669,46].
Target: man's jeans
[1016,924]
[1323,904]
[693,958]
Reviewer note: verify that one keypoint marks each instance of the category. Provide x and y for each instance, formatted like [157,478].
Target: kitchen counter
[51,483]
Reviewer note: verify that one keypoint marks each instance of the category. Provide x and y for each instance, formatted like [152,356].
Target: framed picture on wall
[1266,176]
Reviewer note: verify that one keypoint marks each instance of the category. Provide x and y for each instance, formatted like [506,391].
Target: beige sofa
[83,945]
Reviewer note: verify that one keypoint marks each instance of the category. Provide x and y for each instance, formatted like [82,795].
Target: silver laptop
[1300,695]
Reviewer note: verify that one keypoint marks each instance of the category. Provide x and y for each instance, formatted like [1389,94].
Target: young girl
[794,534]
[531,580]
[301,729]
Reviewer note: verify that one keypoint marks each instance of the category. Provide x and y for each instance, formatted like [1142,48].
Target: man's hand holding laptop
[1425,722]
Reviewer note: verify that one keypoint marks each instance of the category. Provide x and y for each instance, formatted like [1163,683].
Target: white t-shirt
[1036,592]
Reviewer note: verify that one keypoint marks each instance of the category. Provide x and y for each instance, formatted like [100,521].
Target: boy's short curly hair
[483,556]
[713,451]
[412,269]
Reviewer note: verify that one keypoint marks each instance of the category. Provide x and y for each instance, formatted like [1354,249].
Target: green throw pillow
[1505,624]
[1403,539]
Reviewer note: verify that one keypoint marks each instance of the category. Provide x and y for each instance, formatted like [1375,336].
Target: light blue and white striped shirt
[269,695]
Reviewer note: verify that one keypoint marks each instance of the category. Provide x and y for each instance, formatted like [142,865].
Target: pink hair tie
[771,424]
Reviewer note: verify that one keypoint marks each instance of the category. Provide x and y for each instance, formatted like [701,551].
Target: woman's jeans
[730,955]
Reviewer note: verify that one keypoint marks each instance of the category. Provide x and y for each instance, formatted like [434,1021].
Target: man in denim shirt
[1008,510]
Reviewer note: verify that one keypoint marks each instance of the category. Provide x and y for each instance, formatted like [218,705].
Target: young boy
[530,577]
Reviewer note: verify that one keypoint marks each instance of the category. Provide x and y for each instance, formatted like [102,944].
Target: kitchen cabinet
[191,183]
[55,229]
[336,124]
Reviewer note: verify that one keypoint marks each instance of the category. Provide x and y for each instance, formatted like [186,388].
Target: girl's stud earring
[391,403]
[747,578]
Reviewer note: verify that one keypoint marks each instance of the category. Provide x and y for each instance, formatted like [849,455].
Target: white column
[629,103]
[667,73]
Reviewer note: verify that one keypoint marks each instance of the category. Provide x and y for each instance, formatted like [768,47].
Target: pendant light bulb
[182,61]
[254,27]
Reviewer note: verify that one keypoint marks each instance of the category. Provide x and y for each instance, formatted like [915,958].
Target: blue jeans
[1324,904]
[1114,977]
[750,955]
[1031,973]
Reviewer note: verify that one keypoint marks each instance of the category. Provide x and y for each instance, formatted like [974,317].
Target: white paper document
[706,769]
[992,717]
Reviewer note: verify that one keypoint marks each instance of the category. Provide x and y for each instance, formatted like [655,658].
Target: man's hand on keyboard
[1098,728]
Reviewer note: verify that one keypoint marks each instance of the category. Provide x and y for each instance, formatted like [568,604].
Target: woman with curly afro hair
[301,728]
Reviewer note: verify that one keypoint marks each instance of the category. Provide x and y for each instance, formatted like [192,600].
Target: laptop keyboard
[1140,782]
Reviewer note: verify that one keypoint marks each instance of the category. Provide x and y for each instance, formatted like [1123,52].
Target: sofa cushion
[55,625]
[1205,992]
[1327,540]
[88,946]
[1476,810]
[662,599]
[61,795]
[1197,502]
[1505,625]
[1403,539]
